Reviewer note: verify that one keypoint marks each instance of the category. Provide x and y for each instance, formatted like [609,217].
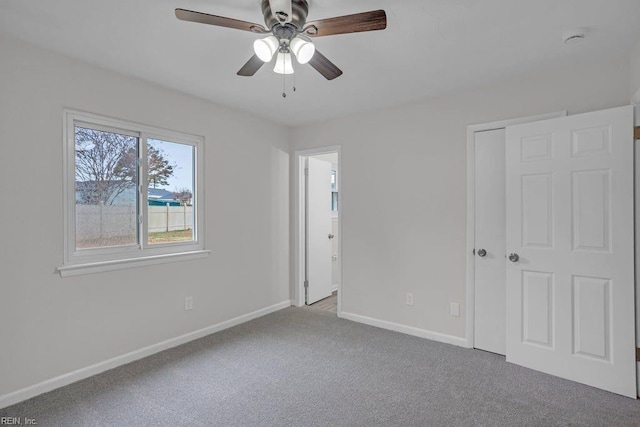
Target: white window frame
[87,261]
[334,168]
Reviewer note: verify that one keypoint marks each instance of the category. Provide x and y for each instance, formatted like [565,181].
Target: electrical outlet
[409,298]
[454,309]
[188,303]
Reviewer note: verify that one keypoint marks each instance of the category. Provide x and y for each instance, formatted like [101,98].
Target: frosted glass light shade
[302,49]
[265,48]
[283,63]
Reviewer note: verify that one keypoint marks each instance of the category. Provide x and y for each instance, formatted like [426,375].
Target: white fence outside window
[98,221]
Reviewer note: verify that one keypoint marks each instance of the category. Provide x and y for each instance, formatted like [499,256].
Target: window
[334,191]
[133,194]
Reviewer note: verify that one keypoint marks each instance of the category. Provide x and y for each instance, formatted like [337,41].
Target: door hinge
[306,283]
[306,171]
[636,132]
[638,354]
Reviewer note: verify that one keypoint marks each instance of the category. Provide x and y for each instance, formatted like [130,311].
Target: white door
[570,295]
[335,253]
[318,230]
[490,235]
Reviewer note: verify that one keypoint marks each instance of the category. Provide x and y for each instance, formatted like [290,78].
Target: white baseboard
[71,377]
[409,330]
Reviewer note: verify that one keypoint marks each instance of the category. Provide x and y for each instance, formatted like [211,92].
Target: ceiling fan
[290,33]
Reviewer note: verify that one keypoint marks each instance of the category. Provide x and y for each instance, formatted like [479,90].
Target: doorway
[318,231]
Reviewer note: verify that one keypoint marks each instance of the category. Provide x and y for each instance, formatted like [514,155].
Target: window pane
[334,201]
[170,193]
[105,186]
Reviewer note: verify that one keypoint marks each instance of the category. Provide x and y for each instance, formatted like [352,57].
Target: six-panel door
[570,296]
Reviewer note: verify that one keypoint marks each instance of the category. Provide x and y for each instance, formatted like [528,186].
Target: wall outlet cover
[409,298]
[454,309]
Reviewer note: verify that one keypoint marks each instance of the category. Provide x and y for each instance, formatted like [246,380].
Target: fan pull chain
[284,79]
[294,75]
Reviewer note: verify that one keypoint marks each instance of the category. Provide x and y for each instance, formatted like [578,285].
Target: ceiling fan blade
[366,21]
[324,66]
[220,21]
[251,67]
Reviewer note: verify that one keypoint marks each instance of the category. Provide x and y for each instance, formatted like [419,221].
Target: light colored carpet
[307,367]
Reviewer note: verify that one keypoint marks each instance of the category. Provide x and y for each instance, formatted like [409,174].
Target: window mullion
[143,171]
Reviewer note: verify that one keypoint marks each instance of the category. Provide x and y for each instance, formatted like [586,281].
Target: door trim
[299,222]
[471,208]
[636,219]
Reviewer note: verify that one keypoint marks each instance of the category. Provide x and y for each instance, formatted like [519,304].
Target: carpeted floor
[306,367]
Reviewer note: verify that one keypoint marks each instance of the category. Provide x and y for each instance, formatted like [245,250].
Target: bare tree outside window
[106,169]
[184,195]
[105,165]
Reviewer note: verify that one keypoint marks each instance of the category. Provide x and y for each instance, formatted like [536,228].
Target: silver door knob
[482,253]
[331,236]
[513,257]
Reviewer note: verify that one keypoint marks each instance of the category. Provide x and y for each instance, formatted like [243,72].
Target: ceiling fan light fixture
[287,21]
[265,48]
[302,49]
[283,63]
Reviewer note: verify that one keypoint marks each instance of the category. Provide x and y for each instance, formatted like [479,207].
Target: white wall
[50,326]
[403,186]
[635,73]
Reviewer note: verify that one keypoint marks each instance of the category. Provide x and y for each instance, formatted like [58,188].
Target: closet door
[490,235]
[570,230]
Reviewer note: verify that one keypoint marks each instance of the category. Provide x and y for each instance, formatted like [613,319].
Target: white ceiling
[429,48]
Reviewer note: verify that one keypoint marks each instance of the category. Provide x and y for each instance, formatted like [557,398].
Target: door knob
[331,236]
[482,253]
[513,257]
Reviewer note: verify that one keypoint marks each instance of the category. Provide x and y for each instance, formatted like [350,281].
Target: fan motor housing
[299,10]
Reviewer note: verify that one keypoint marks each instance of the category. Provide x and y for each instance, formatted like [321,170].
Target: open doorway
[318,229]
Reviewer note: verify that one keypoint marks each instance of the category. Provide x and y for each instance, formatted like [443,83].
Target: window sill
[99,267]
